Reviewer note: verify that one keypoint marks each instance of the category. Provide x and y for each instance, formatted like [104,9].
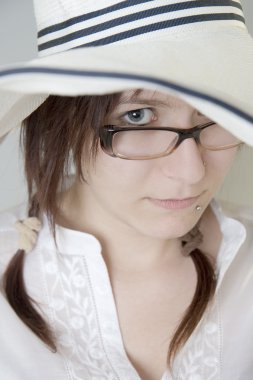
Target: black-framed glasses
[144,143]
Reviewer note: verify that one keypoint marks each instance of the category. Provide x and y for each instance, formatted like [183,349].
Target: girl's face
[141,194]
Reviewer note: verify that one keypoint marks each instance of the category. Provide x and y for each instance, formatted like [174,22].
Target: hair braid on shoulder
[16,293]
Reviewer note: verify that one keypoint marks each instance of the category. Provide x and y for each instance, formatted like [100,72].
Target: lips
[174,204]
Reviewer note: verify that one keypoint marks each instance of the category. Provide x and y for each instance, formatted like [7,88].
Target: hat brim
[210,72]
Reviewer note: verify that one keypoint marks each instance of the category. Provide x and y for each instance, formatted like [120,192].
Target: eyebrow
[153,102]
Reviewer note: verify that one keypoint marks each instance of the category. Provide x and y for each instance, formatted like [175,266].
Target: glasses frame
[107,132]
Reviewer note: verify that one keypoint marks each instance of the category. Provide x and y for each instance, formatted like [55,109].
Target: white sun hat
[197,50]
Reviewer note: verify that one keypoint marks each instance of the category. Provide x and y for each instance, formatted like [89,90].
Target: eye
[140,116]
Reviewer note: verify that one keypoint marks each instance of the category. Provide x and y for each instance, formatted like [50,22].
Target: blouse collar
[233,236]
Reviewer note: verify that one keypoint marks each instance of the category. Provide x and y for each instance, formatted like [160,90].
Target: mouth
[175,204]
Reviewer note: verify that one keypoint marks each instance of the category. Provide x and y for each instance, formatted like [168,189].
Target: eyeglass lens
[148,143]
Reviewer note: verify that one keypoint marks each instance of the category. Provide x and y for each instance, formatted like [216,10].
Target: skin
[152,282]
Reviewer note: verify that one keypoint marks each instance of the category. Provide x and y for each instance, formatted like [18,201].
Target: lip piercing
[198,208]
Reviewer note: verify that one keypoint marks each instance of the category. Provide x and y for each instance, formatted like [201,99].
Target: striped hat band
[65,25]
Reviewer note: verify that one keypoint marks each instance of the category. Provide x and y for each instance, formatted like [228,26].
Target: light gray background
[18,43]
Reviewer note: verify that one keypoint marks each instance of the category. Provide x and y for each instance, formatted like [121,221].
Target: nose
[185,164]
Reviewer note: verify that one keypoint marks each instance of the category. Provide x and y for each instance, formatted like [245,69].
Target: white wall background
[18,43]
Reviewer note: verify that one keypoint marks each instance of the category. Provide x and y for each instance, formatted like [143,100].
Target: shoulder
[8,233]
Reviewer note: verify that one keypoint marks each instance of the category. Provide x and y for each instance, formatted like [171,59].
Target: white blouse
[72,286]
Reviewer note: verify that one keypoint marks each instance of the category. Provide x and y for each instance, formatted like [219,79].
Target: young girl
[122,265]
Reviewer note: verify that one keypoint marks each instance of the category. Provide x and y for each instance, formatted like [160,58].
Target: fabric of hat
[198,50]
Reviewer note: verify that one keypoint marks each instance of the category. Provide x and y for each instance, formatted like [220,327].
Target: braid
[15,290]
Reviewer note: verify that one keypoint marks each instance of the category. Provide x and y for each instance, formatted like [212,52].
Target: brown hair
[62,131]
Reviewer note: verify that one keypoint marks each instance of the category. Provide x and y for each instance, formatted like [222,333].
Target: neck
[123,248]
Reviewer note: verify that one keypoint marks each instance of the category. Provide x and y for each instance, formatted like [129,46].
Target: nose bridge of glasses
[193,133]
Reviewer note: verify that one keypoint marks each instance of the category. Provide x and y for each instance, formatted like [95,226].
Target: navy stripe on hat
[141,30]
[130,3]
[134,18]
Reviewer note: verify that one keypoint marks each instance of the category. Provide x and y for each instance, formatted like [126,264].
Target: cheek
[117,175]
